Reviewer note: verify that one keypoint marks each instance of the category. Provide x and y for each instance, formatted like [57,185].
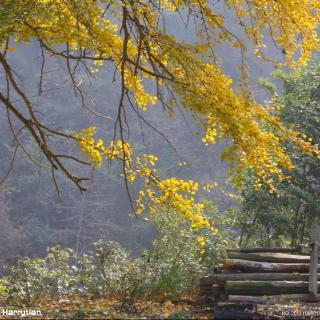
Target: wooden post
[313,269]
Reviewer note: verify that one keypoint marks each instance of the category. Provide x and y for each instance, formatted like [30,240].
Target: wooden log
[206,287]
[205,292]
[313,271]
[264,249]
[255,266]
[218,268]
[270,257]
[220,278]
[250,288]
[209,280]
[235,311]
[217,290]
[234,315]
[213,290]
[270,299]
[253,299]
[304,249]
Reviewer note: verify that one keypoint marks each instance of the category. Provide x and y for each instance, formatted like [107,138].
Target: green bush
[170,268]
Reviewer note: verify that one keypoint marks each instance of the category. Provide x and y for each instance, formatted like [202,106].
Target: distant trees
[170,268]
[11,236]
[287,216]
[152,66]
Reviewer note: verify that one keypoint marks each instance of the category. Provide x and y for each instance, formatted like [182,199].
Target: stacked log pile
[258,274]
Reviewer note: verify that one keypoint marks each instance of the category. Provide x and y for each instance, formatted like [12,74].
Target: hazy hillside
[104,210]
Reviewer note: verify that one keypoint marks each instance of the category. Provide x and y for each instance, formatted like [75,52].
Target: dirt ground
[75,307]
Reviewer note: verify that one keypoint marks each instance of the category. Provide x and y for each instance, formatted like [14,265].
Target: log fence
[265,274]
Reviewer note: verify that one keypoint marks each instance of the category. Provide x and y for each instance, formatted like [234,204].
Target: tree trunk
[250,229]
[268,235]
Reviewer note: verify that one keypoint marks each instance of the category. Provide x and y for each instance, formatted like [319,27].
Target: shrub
[178,257]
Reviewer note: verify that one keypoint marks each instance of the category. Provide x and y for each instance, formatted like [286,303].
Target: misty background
[31,216]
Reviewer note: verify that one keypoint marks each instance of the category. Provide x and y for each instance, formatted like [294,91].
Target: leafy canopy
[289,214]
[132,36]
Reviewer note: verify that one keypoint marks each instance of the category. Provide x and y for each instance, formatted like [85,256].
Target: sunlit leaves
[128,35]
[173,193]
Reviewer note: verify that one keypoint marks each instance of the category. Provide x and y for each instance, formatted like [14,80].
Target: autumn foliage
[131,36]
